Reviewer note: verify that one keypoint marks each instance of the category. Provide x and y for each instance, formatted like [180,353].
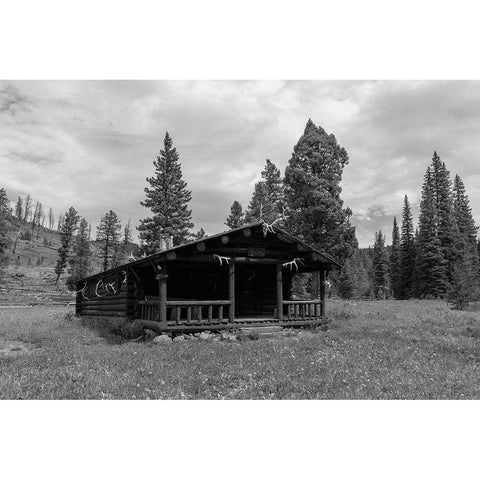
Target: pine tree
[464,285]
[67,230]
[362,263]
[268,196]
[431,266]
[80,261]
[4,203]
[395,268]
[168,200]
[447,231]
[346,280]
[407,253]
[236,217]
[19,209]
[380,267]
[126,243]
[108,235]
[467,229]
[312,190]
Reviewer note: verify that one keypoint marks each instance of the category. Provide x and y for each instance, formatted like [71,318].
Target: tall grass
[384,349]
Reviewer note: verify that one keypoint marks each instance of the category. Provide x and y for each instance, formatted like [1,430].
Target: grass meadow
[371,350]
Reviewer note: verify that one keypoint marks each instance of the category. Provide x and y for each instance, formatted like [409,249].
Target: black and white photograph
[205,258]
[170,231]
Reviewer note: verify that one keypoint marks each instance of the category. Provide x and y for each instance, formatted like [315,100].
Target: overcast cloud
[92,144]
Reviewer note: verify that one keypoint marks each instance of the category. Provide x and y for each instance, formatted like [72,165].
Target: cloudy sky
[91,144]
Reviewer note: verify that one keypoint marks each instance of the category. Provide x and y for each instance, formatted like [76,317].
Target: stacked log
[107,306]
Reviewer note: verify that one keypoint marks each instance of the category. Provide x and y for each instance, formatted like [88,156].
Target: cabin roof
[324,257]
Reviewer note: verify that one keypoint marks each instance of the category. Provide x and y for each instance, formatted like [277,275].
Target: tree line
[440,257]
[433,260]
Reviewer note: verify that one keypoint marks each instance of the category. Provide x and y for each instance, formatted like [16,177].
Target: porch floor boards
[239,323]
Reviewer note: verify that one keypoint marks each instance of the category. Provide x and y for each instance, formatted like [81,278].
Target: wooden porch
[208,315]
[195,315]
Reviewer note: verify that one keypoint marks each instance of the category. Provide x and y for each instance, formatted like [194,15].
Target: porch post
[162,298]
[279,292]
[231,289]
[322,292]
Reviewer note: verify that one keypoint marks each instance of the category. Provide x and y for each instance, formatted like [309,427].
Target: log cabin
[238,278]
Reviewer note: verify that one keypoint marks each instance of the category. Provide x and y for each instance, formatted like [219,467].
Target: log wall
[106,305]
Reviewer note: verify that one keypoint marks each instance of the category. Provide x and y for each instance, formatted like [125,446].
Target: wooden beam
[162,299]
[260,261]
[224,239]
[211,259]
[201,246]
[284,238]
[231,290]
[279,293]
[247,232]
[322,292]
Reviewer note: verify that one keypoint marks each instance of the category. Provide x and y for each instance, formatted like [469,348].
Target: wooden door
[247,297]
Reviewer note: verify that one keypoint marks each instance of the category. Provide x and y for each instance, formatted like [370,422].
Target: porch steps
[263,330]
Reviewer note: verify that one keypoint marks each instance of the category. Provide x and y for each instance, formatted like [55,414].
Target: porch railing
[302,309]
[187,312]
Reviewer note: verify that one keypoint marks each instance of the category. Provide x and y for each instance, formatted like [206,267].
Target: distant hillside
[29,275]
[37,250]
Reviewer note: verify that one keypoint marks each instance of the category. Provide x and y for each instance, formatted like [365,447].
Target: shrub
[464,287]
[127,329]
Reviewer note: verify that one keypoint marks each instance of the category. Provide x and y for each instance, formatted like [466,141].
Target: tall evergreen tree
[431,264]
[80,261]
[395,268]
[108,235]
[467,229]
[464,285]
[312,190]
[268,196]
[446,225]
[168,199]
[236,217]
[19,209]
[67,230]
[407,253]
[380,267]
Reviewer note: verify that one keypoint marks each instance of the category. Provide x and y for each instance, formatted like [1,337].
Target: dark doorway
[255,294]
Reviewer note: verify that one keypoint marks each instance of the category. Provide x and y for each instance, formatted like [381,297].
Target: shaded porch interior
[255,286]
